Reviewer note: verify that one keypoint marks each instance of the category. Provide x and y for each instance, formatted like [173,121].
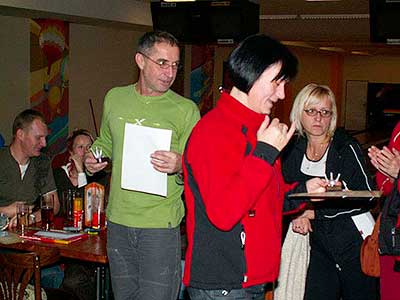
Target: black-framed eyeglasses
[312,112]
[162,63]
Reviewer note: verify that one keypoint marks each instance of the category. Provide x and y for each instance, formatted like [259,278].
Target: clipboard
[339,194]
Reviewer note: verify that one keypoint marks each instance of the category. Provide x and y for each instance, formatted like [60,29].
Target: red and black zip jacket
[234,195]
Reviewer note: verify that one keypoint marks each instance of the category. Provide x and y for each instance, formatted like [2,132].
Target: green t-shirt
[170,111]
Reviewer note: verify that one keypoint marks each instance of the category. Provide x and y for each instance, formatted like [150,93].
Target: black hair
[147,41]
[254,55]
[25,119]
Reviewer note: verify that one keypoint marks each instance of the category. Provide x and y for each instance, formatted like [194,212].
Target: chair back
[17,270]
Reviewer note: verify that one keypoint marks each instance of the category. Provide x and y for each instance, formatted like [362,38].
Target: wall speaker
[207,22]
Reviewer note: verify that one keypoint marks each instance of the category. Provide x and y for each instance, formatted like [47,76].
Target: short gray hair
[147,41]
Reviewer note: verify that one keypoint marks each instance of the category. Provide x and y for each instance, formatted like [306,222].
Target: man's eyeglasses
[312,112]
[162,63]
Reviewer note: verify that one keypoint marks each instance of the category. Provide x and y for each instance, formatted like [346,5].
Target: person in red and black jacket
[387,162]
[234,190]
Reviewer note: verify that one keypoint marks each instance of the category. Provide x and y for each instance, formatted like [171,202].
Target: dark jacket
[345,157]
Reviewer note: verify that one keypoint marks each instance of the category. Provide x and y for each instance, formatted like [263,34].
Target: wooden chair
[17,270]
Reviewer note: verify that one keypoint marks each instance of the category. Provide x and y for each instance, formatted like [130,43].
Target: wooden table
[93,249]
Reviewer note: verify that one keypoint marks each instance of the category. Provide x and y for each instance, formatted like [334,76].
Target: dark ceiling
[343,26]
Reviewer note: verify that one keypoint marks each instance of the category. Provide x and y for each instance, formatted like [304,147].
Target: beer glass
[22,217]
[47,210]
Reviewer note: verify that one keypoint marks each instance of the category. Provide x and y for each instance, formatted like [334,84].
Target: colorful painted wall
[49,83]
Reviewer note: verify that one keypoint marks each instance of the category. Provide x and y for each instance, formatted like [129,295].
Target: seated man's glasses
[162,63]
[312,112]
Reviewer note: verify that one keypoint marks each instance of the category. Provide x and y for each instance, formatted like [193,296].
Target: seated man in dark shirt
[25,173]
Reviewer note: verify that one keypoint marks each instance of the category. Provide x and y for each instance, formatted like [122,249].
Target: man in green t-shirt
[143,229]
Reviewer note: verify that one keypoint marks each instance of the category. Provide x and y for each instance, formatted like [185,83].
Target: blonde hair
[311,94]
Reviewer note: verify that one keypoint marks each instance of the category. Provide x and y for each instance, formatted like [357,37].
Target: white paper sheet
[138,173]
[365,223]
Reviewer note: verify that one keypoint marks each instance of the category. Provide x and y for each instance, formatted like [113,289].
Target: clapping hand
[386,161]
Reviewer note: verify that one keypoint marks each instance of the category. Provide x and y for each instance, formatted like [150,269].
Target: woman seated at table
[79,278]
[320,149]
[71,175]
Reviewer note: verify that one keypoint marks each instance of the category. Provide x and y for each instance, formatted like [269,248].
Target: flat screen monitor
[384,21]
[207,21]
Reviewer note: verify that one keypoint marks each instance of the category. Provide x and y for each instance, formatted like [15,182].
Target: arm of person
[384,181]
[80,168]
[231,181]
[92,165]
[356,175]
[295,205]
[103,142]
[387,163]
[169,162]
[10,210]
[302,223]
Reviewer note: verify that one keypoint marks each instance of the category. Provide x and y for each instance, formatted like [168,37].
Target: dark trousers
[256,292]
[334,271]
[145,264]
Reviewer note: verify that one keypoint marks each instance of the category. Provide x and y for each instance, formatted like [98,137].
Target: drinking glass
[67,207]
[22,217]
[47,210]
[97,211]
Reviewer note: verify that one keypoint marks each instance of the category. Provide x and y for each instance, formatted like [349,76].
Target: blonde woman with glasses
[321,150]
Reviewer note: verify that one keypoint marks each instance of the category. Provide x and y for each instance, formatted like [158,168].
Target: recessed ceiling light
[360,53]
[334,49]
[297,44]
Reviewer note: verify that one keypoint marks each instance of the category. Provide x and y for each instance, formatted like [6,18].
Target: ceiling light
[323,0]
[360,53]
[334,49]
[297,44]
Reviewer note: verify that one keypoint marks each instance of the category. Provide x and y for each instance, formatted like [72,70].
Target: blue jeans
[145,263]
[256,292]
[51,277]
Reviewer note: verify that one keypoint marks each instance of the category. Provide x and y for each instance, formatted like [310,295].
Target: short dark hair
[147,41]
[75,134]
[254,55]
[25,119]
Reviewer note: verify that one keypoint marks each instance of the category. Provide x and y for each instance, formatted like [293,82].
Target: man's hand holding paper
[169,162]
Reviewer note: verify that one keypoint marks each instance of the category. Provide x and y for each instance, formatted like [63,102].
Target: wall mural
[49,54]
[202,77]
